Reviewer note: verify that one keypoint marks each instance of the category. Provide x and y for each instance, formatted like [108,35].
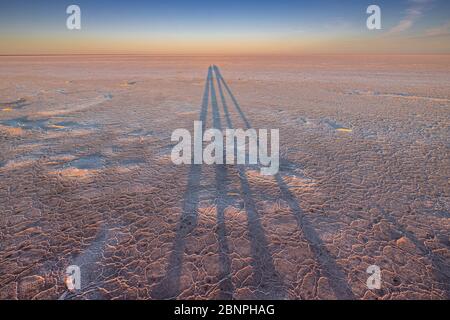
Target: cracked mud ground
[86,178]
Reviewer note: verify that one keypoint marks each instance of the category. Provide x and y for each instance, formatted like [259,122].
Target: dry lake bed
[86,178]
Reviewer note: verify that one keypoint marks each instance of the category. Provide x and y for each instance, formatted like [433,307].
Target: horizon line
[219,55]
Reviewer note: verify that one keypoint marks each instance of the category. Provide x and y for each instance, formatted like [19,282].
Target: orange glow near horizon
[221,45]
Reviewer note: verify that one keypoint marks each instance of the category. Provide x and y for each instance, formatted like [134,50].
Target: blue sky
[274,22]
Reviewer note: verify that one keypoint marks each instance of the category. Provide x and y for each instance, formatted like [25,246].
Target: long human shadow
[328,265]
[265,275]
[225,283]
[168,287]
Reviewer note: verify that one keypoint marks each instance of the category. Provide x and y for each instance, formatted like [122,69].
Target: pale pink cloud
[413,13]
[443,29]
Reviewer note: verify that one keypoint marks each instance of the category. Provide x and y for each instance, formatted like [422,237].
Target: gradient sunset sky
[224,27]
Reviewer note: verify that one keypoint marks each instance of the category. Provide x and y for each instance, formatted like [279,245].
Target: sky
[225,27]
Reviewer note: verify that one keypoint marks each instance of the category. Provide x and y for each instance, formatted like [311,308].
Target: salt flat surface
[86,178]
